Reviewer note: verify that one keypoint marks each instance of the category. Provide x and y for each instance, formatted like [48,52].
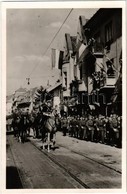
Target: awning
[97,104]
[24,105]
[114,98]
[9,116]
[92,107]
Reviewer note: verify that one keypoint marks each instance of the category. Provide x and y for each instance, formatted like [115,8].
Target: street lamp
[28,79]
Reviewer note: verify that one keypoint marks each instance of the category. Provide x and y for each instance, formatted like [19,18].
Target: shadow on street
[12,178]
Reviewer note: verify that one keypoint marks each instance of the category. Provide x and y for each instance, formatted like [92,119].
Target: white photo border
[66,4]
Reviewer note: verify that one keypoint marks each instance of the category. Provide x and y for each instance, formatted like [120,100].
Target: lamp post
[30,93]
[28,79]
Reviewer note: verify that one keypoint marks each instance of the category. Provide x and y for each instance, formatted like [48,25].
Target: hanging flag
[57,58]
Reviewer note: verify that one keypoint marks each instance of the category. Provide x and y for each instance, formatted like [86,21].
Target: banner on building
[57,58]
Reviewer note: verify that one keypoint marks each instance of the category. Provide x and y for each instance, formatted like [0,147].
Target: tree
[42,96]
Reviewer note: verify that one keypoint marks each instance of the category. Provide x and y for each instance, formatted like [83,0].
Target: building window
[108,36]
[108,32]
[98,46]
[110,69]
[75,70]
[97,37]
[65,79]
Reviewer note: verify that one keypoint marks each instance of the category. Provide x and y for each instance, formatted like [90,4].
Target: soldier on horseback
[15,121]
[48,124]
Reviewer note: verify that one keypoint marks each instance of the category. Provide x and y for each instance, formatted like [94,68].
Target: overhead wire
[52,41]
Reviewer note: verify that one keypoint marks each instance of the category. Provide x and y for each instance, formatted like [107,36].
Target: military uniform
[97,130]
[114,130]
[83,128]
[90,128]
[78,127]
[71,126]
[108,130]
[75,127]
[102,129]
[120,131]
[15,122]
[64,124]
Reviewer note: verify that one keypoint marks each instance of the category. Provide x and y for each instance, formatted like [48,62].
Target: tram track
[76,167]
[62,167]
[85,156]
[21,177]
[25,182]
[53,157]
[14,160]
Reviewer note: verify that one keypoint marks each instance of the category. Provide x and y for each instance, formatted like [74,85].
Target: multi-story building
[98,56]
[104,37]
[9,102]
[18,96]
[68,69]
[55,94]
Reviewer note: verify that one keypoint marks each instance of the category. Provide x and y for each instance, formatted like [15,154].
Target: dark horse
[23,127]
[49,132]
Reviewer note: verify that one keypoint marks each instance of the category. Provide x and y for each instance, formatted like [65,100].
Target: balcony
[82,87]
[109,83]
[102,81]
[110,80]
[98,48]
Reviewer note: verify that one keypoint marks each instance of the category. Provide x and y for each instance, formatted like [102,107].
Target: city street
[73,164]
[64,87]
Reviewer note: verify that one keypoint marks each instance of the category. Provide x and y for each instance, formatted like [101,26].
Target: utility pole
[30,93]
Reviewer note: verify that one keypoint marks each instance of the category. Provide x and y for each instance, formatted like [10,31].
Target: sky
[29,33]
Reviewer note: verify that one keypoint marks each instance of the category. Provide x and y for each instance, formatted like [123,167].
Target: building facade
[98,63]
[68,70]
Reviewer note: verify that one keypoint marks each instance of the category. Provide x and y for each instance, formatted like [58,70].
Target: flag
[57,58]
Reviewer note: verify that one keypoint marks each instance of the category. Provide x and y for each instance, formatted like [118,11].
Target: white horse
[49,133]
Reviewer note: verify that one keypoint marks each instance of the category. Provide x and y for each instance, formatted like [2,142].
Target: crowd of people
[106,130]
[100,129]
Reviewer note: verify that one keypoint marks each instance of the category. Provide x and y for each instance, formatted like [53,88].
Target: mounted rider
[48,124]
[46,112]
[15,121]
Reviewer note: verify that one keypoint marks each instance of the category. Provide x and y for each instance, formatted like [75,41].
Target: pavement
[12,175]
[104,154]
[94,165]
[29,168]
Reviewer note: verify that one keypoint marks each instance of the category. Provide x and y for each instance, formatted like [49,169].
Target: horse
[23,127]
[32,124]
[15,125]
[49,132]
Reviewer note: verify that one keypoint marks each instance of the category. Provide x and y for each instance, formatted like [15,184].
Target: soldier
[97,130]
[28,120]
[83,128]
[107,135]
[108,129]
[114,130]
[71,126]
[120,131]
[78,125]
[75,125]
[90,127]
[102,128]
[8,123]
[64,125]
[15,121]
[57,120]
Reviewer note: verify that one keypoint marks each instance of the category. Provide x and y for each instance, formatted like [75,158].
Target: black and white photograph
[64,104]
